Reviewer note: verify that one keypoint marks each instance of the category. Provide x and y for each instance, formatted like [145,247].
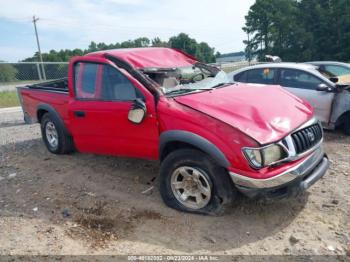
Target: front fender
[194,140]
[341,106]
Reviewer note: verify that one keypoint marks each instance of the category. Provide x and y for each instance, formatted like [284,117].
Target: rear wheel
[191,181]
[54,135]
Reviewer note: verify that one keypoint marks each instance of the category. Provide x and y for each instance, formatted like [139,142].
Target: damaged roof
[156,57]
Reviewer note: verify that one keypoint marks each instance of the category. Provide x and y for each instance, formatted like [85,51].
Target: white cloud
[14,54]
[80,21]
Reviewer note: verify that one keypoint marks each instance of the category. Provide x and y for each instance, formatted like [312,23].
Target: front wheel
[191,181]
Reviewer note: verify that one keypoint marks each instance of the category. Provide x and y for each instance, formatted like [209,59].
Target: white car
[331,102]
[335,69]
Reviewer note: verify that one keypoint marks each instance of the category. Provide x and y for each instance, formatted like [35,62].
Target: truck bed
[52,93]
[55,85]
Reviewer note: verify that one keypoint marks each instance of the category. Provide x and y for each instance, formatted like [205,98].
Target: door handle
[79,113]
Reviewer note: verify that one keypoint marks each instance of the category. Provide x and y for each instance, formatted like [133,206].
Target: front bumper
[290,182]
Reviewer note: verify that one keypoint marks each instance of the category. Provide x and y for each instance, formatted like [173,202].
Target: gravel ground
[88,204]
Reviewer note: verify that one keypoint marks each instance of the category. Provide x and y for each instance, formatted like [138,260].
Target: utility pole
[37,41]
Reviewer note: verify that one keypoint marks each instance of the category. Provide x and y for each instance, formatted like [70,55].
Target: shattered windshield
[183,80]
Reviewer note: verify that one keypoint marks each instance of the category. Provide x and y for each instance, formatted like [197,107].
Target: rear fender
[43,108]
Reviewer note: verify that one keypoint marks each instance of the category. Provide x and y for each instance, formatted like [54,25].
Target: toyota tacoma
[213,139]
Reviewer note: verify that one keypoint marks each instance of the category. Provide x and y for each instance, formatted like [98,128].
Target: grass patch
[9,99]
[229,69]
[232,68]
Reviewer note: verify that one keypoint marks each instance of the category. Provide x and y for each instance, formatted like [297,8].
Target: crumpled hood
[265,113]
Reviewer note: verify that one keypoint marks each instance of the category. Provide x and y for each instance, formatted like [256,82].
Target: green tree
[217,54]
[189,45]
[271,25]
[205,53]
[157,42]
[92,47]
[182,41]
[142,42]
[328,23]
[7,73]
[299,30]
[258,23]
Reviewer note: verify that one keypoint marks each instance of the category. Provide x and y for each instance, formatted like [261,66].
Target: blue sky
[74,24]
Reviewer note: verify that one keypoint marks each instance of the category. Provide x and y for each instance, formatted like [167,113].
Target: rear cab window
[85,79]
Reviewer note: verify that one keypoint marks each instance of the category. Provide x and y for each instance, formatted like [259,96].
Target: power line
[38,43]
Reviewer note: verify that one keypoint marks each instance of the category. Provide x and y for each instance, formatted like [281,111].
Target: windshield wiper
[220,85]
[185,90]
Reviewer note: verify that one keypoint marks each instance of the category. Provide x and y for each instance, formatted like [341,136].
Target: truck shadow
[336,136]
[102,196]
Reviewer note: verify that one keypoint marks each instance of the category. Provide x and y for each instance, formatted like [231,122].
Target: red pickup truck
[213,139]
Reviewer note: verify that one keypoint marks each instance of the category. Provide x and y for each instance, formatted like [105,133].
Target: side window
[116,86]
[241,77]
[299,79]
[261,76]
[337,70]
[85,80]
[102,82]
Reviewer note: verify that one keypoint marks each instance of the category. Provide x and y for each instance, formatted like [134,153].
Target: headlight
[272,154]
[254,157]
[265,156]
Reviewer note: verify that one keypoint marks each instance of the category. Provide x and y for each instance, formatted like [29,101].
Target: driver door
[103,96]
[304,85]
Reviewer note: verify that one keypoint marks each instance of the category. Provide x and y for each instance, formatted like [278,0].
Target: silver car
[335,68]
[331,102]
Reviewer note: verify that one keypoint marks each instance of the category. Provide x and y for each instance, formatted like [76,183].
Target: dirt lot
[88,204]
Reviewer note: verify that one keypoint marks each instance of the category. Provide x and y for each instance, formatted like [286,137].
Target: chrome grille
[306,138]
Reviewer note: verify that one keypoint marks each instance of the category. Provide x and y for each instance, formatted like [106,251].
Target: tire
[346,125]
[51,126]
[190,161]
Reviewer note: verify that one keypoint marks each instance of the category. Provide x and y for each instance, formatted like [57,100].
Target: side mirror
[334,79]
[137,112]
[324,88]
